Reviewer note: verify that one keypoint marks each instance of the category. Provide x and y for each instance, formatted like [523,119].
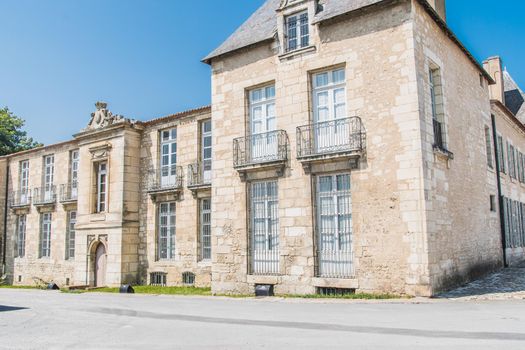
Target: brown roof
[177,115]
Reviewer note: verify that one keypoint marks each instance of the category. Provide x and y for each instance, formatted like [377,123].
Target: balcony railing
[20,198]
[332,137]
[167,178]
[265,262]
[44,195]
[69,192]
[335,264]
[260,148]
[199,174]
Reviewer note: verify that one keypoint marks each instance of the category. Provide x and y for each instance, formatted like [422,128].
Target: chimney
[440,7]
[494,67]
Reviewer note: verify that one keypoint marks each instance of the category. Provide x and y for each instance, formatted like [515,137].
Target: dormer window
[297,31]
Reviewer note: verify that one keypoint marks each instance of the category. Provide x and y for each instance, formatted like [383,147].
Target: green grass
[159,290]
[7,286]
[180,290]
[357,296]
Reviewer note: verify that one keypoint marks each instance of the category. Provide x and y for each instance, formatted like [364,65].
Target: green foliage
[12,138]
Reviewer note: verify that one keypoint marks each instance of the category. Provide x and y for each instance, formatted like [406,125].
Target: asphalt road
[32,319]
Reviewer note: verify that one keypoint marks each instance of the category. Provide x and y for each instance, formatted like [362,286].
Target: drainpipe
[500,196]
[4,239]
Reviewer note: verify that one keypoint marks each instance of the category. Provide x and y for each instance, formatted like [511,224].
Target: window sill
[297,52]
[439,151]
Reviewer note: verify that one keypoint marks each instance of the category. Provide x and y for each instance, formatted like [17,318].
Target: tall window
[73,176]
[102,187]
[21,236]
[166,235]
[49,173]
[329,101]
[501,155]
[334,226]
[512,160]
[70,234]
[297,31]
[438,112]
[168,157]
[264,143]
[205,230]
[488,144]
[24,181]
[264,218]
[206,150]
[45,235]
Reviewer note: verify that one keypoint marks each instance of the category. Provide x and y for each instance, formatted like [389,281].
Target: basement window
[188,278]
[157,279]
[335,292]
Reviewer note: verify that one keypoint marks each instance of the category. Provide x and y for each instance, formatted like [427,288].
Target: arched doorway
[100,265]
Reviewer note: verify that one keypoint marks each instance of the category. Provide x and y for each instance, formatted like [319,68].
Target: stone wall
[463,234]
[511,187]
[3,197]
[187,257]
[376,49]
[31,269]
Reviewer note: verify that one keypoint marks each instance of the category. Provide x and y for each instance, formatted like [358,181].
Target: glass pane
[256,95]
[270,92]
[339,76]
[321,79]
[325,184]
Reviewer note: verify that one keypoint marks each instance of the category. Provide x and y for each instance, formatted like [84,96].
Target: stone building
[349,146]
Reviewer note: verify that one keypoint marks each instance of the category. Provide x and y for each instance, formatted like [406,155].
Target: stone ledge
[256,279]
[351,283]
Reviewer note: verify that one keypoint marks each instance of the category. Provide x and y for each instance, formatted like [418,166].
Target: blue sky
[143,56]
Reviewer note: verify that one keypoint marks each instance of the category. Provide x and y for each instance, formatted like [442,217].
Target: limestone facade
[353,156]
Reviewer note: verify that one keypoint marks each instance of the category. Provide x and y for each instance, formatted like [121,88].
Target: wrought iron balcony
[18,199]
[341,137]
[44,195]
[68,192]
[165,179]
[260,149]
[199,174]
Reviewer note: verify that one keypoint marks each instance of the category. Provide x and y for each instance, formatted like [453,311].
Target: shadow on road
[509,280]
[4,308]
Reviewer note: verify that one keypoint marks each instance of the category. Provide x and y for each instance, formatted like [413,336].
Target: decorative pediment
[100,152]
[288,3]
[103,117]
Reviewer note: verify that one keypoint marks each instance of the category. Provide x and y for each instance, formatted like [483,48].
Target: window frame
[45,235]
[435,81]
[205,237]
[21,231]
[488,147]
[71,234]
[171,244]
[101,196]
[24,176]
[48,177]
[302,31]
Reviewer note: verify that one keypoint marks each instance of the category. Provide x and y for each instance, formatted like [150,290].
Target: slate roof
[514,97]
[262,24]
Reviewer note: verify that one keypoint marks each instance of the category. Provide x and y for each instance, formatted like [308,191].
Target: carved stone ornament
[100,152]
[286,3]
[103,117]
